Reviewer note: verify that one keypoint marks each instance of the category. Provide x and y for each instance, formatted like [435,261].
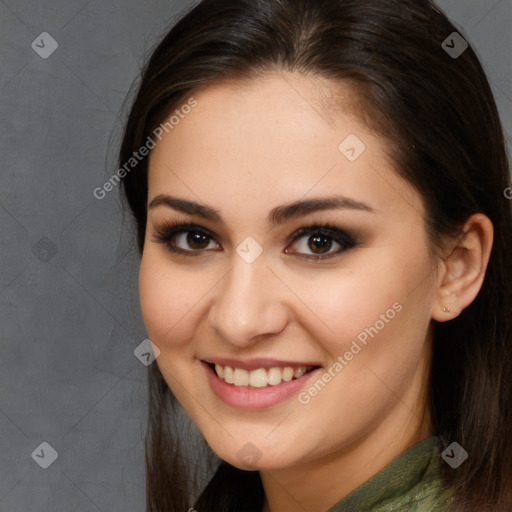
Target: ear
[462,271]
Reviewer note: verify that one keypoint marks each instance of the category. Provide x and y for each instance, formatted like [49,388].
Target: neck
[316,486]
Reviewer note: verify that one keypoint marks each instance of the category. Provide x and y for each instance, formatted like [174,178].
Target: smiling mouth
[261,377]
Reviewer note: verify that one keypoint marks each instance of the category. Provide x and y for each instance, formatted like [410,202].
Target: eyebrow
[278,215]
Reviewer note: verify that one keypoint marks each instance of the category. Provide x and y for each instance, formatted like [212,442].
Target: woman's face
[245,290]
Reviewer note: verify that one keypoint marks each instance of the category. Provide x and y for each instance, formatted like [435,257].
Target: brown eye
[319,243]
[196,240]
[311,243]
[185,239]
[318,240]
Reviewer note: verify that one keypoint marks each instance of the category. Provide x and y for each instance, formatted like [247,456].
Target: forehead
[274,139]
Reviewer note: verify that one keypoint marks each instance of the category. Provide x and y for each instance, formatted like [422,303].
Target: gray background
[69,316]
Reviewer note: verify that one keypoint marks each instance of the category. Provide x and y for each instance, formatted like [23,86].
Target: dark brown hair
[445,138]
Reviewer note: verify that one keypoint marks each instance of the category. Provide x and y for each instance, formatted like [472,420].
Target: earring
[445,309]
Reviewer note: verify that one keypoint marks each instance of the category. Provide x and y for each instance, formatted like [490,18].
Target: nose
[248,304]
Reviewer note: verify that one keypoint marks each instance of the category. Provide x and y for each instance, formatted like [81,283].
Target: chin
[250,458]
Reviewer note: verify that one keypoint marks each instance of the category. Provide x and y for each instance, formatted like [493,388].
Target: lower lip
[255,398]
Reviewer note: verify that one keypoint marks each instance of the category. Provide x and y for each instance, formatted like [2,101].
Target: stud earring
[446,310]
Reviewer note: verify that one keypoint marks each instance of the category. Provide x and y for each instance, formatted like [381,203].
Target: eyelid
[345,238]
[337,234]
[168,230]
[324,228]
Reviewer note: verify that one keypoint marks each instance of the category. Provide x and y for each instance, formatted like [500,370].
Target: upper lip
[254,364]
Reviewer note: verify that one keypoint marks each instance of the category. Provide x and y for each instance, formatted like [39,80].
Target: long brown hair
[445,138]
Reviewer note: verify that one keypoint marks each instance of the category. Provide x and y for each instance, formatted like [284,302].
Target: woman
[318,188]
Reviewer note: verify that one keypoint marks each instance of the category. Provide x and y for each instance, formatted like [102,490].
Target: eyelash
[166,233]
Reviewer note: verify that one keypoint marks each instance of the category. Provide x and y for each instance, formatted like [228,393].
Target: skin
[246,148]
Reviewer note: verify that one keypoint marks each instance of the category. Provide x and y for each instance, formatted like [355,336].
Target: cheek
[165,300]
[345,301]
[381,303]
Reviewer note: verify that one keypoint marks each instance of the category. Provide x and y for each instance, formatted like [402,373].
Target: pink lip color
[254,398]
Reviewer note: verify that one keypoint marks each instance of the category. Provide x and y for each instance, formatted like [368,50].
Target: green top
[410,483]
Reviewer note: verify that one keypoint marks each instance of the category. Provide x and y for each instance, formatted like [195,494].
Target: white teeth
[241,377]
[261,377]
[258,378]
[288,374]
[229,375]
[299,372]
[274,376]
